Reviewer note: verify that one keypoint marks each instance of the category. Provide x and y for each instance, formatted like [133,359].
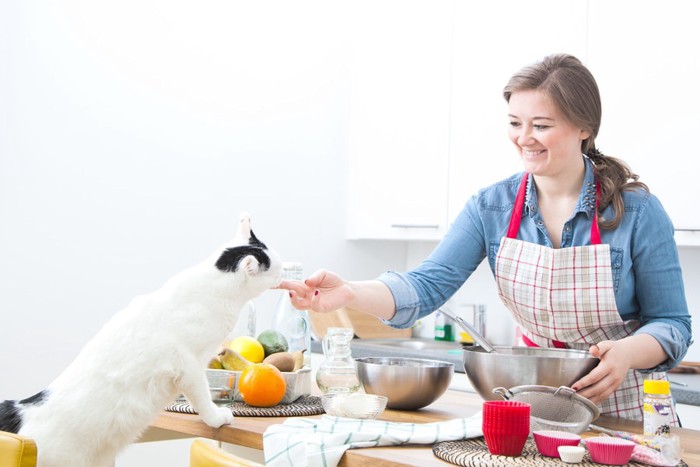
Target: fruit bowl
[222,384]
[298,384]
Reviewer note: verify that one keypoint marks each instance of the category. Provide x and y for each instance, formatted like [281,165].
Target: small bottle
[449,334]
[658,408]
[443,327]
[439,326]
[291,322]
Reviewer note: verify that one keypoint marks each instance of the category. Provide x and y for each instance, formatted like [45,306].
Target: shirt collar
[586,198]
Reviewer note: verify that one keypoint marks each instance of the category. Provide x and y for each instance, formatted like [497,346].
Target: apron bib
[565,298]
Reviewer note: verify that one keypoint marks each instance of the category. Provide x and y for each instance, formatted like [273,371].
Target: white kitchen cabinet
[398,120]
[644,55]
[428,124]
[493,40]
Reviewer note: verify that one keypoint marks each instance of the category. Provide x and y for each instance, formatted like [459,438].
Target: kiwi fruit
[284,361]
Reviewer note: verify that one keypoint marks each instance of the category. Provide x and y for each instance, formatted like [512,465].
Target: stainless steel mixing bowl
[408,383]
[508,367]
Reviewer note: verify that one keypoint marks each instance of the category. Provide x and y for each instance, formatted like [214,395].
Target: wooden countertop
[248,431]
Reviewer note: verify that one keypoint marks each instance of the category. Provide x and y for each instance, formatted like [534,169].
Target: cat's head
[246,256]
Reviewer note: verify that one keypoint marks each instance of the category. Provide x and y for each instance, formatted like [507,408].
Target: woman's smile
[548,144]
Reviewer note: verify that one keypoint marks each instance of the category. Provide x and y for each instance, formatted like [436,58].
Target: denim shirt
[646,271]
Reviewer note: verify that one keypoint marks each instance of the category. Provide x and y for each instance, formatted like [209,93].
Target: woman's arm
[326,291]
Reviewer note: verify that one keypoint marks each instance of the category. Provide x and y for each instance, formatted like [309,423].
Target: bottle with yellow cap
[658,408]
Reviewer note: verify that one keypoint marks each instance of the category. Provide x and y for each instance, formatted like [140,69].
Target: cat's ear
[244,228]
[249,258]
[250,265]
[245,231]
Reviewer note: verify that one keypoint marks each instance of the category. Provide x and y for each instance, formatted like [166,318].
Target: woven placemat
[304,406]
[474,453]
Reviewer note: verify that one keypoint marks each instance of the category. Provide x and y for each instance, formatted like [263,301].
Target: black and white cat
[143,358]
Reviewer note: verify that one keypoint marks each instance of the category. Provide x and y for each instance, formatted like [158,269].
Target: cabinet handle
[415,226]
[687,230]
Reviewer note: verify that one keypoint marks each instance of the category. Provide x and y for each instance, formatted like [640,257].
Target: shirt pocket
[616,255]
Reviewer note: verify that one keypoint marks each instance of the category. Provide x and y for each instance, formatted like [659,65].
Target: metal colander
[553,408]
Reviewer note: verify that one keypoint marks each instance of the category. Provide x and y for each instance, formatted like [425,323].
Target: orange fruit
[262,385]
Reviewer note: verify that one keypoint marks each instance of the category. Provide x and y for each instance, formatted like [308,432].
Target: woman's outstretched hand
[323,291]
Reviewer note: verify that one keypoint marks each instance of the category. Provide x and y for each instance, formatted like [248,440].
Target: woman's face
[547,143]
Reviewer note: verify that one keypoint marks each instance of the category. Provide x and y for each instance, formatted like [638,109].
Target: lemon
[249,348]
[273,342]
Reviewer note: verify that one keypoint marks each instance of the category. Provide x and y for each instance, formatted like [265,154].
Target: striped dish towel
[301,442]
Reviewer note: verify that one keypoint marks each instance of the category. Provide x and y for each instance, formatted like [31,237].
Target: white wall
[130,140]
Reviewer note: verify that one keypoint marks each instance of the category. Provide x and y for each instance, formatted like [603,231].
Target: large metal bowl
[508,367]
[408,383]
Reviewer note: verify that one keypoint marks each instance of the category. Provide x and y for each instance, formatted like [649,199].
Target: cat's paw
[218,416]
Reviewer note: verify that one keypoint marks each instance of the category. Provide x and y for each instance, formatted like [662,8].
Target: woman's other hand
[641,351]
[605,378]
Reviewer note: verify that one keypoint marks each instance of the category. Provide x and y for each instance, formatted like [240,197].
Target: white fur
[147,354]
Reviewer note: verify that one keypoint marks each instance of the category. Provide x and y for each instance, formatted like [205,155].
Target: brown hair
[572,88]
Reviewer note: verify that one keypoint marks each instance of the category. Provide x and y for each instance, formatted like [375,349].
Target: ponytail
[613,176]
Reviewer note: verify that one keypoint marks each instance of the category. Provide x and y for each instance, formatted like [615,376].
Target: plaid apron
[565,298]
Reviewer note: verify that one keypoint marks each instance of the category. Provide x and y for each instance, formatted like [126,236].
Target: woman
[582,253]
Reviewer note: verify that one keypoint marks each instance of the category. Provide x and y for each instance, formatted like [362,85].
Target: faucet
[478,337]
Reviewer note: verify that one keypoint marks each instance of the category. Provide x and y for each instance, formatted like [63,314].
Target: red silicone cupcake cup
[504,444]
[506,417]
[512,408]
[509,427]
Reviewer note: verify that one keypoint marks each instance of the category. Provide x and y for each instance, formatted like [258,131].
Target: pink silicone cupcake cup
[548,441]
[611,451]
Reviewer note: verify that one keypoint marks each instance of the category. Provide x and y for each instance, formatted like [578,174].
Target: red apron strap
[528,342]
[595,231]
[517,213]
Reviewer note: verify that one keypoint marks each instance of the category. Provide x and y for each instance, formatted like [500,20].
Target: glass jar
[337,372]
[293,323]
[658,408]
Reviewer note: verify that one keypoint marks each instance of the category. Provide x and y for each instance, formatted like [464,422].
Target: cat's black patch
[36,399]
[255,242]
[229,259]
[10,417]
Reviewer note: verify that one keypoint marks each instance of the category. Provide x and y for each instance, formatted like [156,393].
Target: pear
[215,364]
[233,361]
[298,357]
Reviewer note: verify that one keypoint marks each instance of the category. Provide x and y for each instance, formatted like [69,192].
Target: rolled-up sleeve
[425,288]
[405,298]
[674,342]
[663,310]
